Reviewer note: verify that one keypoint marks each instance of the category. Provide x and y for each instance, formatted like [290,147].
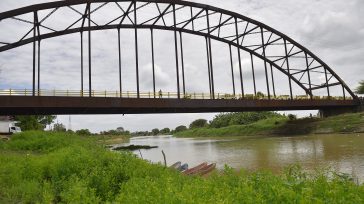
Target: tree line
[219,121]
[40,122]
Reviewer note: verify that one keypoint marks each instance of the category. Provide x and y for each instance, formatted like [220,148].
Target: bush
[59,127]
[83,132]
[292,117]
[180,128]
[199,123]
[155,131]
[360,89]
[165,131]
[244,118]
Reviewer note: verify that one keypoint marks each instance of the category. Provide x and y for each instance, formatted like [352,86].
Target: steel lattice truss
[241,33]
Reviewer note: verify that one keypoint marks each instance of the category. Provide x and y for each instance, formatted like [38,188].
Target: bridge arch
[239,31]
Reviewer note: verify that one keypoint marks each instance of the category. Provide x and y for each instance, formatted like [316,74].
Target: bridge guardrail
[133,94]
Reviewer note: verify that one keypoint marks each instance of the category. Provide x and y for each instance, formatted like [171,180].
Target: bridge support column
[324,113]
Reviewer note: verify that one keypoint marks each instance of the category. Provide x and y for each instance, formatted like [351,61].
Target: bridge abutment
[333,111]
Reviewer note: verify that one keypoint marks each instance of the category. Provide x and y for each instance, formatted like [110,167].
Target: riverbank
[346,123]
[43,167]
[112,139]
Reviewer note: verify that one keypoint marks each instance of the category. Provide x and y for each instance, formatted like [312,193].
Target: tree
[59,127]
[155,131]
[292,117]
[165,131]
[34,122]
[83,132]
[180,128]
[360,89]
[199,123]
[120,129]
[70,131]
[243,118]
[260,94]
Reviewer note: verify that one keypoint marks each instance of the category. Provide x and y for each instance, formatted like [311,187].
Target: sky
[332,29]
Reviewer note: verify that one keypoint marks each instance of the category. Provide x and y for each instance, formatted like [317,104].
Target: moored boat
[206,169]
[176,165]
[183,167]
[194,169]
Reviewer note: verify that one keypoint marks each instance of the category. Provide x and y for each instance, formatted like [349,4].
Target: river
[341,152]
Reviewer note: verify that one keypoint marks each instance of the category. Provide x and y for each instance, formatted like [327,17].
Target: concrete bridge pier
[332,111]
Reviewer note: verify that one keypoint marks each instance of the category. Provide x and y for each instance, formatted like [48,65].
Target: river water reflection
[343,153]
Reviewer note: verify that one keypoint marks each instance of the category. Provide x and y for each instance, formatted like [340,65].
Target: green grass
[345,123]
[42,167]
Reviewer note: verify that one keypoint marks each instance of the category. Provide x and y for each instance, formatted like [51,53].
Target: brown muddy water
[340,152]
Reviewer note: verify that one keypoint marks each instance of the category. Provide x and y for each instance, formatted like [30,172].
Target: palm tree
[360,89]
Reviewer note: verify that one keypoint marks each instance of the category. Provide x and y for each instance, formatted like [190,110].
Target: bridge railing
[164,95]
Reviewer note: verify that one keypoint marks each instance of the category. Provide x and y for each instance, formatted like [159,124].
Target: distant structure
[69,123]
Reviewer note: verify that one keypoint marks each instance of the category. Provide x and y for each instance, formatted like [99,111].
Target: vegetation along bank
[49,167]
[269,123]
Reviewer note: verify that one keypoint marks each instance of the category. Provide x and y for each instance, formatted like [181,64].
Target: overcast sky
[332,29]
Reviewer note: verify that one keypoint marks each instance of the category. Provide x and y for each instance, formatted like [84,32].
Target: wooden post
[164,157]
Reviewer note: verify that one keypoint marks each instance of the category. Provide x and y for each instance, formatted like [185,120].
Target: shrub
[165,131]
[155,131]
[360,89]
[180,128]
[199,123]
[292,117]
[243,118]
[83,132]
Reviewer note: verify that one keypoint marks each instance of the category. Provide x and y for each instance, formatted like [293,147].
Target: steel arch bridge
[277,52]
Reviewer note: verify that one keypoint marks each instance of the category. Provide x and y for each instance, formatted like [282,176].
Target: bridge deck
[18,105]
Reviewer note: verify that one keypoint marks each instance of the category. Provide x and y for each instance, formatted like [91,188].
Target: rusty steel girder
[33,105]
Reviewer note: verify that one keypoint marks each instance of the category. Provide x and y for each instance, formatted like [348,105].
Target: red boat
[194,169]
[205,170]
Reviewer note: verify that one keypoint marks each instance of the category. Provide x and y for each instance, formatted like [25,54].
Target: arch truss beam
[278,52]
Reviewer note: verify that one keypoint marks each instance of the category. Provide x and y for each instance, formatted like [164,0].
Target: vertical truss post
[34,53]
[239,57]
[38,66]
[309,76]
[183,64]
[208,64]
[89,51]
[288,69]
[36,28]
[253,72]
[176,50]
[232,69]
[210,56]
[265,62]
[136,49]
[153,66]
[273,85]
[81,63]
[327,83]
[344,92]
[193,24]
[119,51]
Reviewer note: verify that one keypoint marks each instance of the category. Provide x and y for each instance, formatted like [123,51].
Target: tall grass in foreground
[42,167]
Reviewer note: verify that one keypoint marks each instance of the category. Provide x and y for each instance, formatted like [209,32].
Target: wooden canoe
[205,170]
[194,169]
[176,165]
